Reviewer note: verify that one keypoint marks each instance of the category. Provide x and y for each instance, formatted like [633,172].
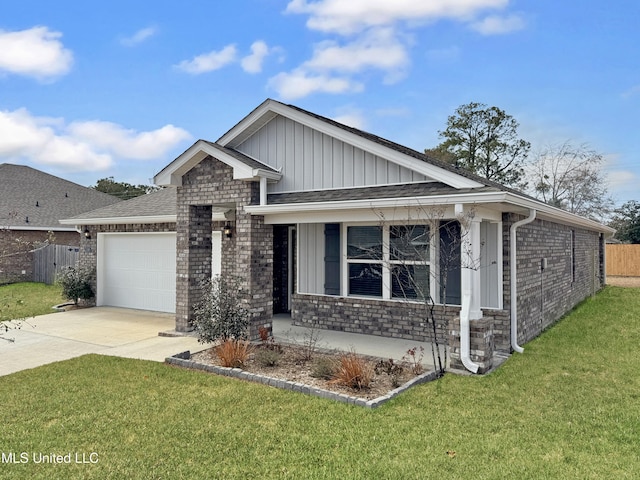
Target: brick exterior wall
[544,296]
[386,318]
[248,254]
[89,247]
[15,256]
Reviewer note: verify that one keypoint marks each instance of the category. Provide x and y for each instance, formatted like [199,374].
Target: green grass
[25,300]
[569,407]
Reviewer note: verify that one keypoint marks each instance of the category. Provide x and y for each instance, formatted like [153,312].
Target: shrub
[233,352]
[414,358]
[392,369]
[267,357]
[353,372]
[323,368]
[220,314]
[76,283]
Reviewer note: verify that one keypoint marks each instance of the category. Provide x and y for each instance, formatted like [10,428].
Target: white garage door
[137,270]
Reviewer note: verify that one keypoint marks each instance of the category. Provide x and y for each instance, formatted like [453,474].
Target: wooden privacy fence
[50,259]
[623,260]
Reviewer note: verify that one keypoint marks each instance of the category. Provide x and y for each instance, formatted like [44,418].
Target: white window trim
[386,262]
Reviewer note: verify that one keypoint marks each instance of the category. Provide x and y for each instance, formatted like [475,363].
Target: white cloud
[378,48]
[497,25]
[352,118]
[632,92]
[622,179]
[301,83]
[36,138]
[332,67]
[208,62]
[36,52]
[139,37]
[253,63]
[347,17]
[79,146]
[128,143]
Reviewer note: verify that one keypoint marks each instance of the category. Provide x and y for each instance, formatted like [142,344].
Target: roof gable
[239,136]
[244,167]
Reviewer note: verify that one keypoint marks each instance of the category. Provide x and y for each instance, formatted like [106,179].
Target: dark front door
[284,241]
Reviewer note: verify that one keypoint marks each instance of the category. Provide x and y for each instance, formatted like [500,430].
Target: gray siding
[311,160]
[311,258]
[489,264]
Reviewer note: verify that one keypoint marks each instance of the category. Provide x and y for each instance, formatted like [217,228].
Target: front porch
[283,330]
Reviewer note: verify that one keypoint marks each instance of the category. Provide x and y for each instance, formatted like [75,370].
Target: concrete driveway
[104,330]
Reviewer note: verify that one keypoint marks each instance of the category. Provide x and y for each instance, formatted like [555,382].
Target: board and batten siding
[312,160]
[311,258]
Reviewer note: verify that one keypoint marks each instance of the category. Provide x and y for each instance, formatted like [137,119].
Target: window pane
[365,279]
[410,281]
[364,242]
[409,242]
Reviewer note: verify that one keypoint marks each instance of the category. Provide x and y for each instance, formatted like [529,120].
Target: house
[31,204]
[295,204]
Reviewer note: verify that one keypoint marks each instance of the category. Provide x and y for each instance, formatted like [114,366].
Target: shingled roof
[32,199]
[157,204]
[408,190]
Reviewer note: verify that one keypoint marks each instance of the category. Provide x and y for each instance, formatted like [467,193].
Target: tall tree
[485,141]
[626,221]
[571,177]
[123,190]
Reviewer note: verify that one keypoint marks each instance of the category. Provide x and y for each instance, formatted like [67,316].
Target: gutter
[514,280]
[465,340]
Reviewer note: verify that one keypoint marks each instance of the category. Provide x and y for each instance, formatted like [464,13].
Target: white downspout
[514,280]
[465,336]
[263,190]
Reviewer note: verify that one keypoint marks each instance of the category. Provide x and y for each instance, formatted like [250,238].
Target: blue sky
[120,88]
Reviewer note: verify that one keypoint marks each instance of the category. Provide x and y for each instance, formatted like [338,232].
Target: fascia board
[376,203]
[427,169]
[556,214]
[172,174]
[120,220]
[509,199]
[39,229]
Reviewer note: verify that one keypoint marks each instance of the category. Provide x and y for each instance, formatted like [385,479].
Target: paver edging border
[183,359]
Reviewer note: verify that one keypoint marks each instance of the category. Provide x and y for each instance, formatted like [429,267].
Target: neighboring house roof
[35,200]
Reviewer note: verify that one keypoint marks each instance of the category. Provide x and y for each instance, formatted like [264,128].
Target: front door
[284,267]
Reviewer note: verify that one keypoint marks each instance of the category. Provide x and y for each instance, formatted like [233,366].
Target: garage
[137,270]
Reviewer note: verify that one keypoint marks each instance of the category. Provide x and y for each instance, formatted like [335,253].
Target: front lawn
[569,407]
[25,300]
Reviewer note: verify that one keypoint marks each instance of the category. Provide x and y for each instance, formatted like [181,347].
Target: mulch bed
[295,365]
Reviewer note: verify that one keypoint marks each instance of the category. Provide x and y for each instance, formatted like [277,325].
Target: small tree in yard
[407,255]
[76,284]
[220,314]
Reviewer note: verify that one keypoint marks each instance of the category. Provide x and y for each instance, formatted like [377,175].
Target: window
[364,254]
[388,262]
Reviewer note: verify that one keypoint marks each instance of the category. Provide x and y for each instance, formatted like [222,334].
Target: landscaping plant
[220,315]
[353,372]
[77,283]
[233,352]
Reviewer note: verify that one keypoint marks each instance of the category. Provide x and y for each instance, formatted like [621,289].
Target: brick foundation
[394,319]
